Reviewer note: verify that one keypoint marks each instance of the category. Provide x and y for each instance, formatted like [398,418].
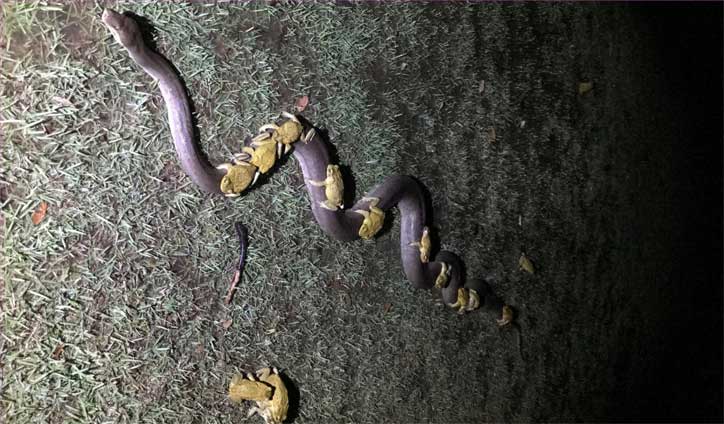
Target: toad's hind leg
[326,204]
[253,410]
[264,373]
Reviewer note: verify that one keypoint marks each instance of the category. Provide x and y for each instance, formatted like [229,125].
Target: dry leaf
[525,264]
[39,213]
[585,87]
[58,352]
[226,323]
[62,101]
[387,307]
[507,316]
[481,87]
[219,46]
[491,135]
[302,103]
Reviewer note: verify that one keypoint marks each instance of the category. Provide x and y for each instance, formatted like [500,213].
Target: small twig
[232,287]
[242,232]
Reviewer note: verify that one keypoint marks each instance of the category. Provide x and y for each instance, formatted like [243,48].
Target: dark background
[688,382]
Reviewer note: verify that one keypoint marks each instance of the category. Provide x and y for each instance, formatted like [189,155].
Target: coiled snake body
[361,220]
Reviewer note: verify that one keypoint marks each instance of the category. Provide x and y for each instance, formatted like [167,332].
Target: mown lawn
[113,305]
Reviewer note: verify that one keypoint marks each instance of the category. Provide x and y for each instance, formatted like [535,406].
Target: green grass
[129,268]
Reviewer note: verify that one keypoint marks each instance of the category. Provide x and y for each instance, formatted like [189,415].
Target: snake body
[401,191]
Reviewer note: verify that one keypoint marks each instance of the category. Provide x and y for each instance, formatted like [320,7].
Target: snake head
[124,29]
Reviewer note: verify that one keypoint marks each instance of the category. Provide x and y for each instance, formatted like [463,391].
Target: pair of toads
[267,389]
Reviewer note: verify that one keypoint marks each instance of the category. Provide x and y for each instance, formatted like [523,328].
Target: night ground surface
[113,305]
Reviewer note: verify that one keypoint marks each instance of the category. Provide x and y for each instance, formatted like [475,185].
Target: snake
[445,272]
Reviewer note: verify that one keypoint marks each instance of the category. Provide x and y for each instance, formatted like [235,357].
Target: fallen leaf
[219,46]
[226,323]
[525,264]
[491,135]
[387,307]
[302,103]
[585,87]
[481,87]
[39,213]
[62,101]
[58,352]
[507,316]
